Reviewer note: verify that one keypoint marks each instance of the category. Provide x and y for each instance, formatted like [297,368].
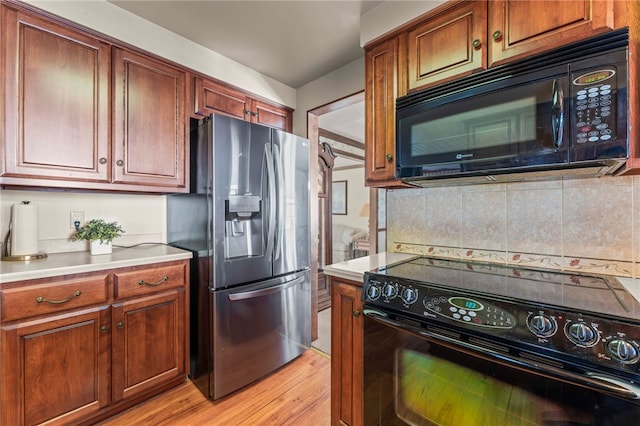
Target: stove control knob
[582,334]
[390,290]
[623,350]
[542,325]
[373,291]
[409,295]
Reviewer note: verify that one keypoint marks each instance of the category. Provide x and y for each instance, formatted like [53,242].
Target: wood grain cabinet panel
[347,343]
[148,343]
[56,369]
[149,136]
[524,27]
[75,359]
[448,46]
[380,96]
[56,100]
[212,97]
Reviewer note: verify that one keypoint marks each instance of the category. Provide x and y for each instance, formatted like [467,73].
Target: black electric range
[586,318]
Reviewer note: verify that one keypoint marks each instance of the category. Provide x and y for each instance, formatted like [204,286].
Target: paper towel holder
[22,257]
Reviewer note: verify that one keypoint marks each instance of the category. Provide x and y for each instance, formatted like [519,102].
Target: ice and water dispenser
[243,226]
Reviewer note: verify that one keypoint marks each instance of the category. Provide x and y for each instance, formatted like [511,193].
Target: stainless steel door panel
[239,202]
[291,155]
[258,328]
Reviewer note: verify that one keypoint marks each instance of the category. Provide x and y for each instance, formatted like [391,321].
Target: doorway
[340,154]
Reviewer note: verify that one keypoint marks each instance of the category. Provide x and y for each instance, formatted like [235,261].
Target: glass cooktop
[602,294]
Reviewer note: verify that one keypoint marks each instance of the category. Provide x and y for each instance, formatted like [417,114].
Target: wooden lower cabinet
[146,339]
[80,352]
[347,342]
[56,368]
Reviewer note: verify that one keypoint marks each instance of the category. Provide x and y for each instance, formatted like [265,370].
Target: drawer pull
[164,278]
[58,302]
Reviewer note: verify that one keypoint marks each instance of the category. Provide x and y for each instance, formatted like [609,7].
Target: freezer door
[257,329]
[242,211]
[292,231]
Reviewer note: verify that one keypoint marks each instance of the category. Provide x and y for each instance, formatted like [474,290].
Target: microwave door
[519,126]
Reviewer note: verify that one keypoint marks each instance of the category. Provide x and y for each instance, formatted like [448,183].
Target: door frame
[313,136]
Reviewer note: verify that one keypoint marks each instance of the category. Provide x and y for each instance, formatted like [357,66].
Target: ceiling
[293,42]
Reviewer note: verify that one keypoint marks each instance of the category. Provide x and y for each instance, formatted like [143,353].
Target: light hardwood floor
[296,394]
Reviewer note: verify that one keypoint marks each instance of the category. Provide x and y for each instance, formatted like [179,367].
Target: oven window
[412,380]
[431,390]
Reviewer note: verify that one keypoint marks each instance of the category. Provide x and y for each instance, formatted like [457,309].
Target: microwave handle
[557,113]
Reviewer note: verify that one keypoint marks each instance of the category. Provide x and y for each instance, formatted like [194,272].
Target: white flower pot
[96,247]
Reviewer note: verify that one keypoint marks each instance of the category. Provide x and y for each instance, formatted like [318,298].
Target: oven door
[419,376]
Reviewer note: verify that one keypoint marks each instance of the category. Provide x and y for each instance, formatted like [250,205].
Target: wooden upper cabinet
[523,27]
[450,45]
[56,100]
[219,98]
[212,97]
[380,96]
[272,116]
[148,130]
[463,37]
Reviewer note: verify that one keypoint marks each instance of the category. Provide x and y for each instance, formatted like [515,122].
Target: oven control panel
[576,335]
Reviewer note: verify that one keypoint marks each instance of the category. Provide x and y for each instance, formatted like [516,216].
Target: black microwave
[563,112]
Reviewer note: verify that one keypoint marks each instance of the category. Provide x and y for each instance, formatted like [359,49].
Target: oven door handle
[596,381]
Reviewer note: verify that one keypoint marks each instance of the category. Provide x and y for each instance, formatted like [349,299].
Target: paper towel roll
[24,229]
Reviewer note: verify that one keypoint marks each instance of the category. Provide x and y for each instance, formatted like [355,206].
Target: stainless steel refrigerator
[246,221]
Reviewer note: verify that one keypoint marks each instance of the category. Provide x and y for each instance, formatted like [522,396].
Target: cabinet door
[347,341]
[272,116]
[148,132]
[524,27]
[56,101]
[212,97]
[448,46]
[380,97]
[56,368]
[148,343]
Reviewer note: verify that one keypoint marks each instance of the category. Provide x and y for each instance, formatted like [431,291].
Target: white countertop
[57,264]
[354,269]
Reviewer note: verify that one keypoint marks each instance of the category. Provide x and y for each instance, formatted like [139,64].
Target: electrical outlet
[76,217]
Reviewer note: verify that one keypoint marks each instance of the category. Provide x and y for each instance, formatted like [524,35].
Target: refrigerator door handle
[280,199]
[271,186]
[270,290]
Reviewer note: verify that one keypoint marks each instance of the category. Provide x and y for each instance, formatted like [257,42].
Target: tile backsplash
[588,224]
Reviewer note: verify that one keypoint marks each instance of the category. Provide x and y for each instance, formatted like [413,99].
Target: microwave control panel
[594,98]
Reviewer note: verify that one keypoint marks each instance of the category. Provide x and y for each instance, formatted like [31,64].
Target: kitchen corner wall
[143,217]
[588,224]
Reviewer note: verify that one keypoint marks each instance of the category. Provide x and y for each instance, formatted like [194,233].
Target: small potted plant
[99,234]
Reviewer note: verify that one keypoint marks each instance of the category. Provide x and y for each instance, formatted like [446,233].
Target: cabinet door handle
[356,313]
[104,329]
[41,299]
[120,163]
[102,160]
[120,325]
[389,157]
[476,43]
[497,35]
[163,279]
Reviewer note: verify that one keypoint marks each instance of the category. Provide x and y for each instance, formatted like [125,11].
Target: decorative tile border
[532,260]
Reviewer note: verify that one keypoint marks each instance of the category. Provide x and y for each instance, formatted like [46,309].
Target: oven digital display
[465,303]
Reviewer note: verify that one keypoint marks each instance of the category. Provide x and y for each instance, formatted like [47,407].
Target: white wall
[357,196]
[333,86]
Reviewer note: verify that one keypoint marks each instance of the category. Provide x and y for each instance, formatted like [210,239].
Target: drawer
[53,296]
[149,280]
